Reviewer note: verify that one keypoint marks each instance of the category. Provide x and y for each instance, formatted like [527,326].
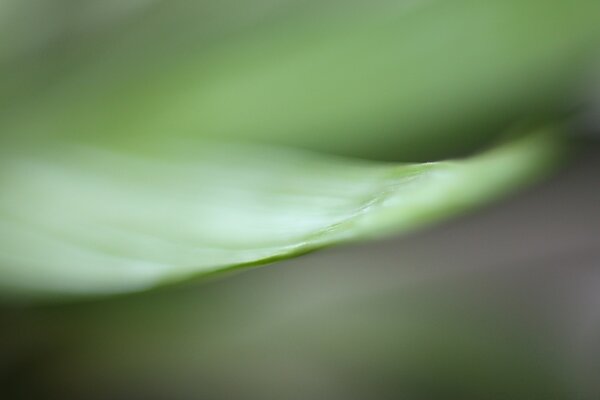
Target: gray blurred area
[500,304]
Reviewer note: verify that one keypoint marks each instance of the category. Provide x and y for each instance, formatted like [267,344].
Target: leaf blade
[80,221]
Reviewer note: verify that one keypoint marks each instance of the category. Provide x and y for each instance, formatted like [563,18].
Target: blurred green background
[501,304]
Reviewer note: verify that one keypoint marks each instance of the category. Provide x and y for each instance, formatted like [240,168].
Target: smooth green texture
[417,80]
[116,173]
[80,220]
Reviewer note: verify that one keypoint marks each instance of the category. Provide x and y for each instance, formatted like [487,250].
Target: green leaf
[83,220]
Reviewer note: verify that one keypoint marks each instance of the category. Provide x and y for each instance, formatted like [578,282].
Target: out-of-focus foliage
[85,221]
[403,80]
[144,142]
[98,102]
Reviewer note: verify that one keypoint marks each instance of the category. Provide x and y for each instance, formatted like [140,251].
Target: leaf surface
[83,220]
